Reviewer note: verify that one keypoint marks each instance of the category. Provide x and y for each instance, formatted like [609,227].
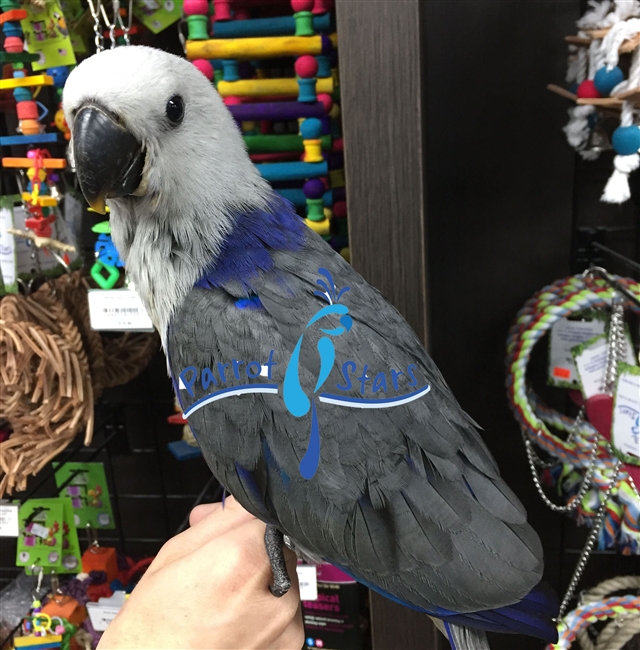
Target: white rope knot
[617,188]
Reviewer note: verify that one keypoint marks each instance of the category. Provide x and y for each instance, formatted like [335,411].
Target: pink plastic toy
[222,9]
[306,67]
[327,102]
[205,67]
[196,7]
[301,5]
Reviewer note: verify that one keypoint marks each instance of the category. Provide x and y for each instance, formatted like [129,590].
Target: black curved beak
[109,160]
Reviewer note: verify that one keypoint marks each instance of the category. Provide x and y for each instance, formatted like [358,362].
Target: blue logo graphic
[295,398]
[297,402]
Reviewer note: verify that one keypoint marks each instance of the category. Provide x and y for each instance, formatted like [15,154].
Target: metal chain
[616,344]
[95,13]
[584,488]
[591,540]
[534,461]
[127,29]
[111,24]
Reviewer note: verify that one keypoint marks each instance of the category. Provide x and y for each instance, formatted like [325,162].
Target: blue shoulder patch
[248,248]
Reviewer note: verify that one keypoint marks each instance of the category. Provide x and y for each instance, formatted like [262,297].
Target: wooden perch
[593,34]
[563,92]
[42,242]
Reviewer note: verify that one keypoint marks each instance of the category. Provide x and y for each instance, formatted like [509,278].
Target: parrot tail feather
[465,638]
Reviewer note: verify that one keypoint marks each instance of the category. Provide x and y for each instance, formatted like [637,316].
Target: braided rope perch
[583,453]
[621,629]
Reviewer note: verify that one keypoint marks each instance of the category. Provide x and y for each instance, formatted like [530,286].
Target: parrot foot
[274,543]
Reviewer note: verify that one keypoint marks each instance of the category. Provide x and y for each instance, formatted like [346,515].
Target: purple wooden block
[276,111]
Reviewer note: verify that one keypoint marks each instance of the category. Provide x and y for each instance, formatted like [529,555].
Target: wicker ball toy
[582,461]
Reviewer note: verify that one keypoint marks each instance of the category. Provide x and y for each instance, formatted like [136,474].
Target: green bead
[304,23]
[103,282]
[315,209]
[218,76]
[102,228]
[197,25]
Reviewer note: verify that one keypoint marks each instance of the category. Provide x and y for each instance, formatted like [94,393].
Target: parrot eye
[175,109]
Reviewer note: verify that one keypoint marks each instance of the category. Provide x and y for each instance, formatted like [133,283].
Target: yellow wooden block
[321,227]
[265,87]
[26,82]
[337,178]
[25,163]
[43,201]
[256,48]
[48,641]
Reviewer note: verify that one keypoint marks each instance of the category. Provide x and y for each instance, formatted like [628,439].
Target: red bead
[301,5]
[205,67]
[322,6]
[340,209]
[13,44]
[196,7]
[222,9]
[587,90]
[306,67]
[232,101]
[327,102]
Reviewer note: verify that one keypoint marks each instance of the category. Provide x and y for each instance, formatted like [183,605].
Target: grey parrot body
[403,495]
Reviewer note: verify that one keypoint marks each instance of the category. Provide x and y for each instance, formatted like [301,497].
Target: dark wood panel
[382,110]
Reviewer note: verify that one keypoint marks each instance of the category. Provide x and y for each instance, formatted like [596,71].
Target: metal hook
[38,588]
[612,282]
[92,537]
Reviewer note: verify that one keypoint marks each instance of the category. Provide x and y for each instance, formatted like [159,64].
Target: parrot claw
[274,544]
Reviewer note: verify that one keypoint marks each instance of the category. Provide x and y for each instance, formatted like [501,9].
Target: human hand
[208,587]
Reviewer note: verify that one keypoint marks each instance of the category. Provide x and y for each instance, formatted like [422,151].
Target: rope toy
[598,605]
[582,464]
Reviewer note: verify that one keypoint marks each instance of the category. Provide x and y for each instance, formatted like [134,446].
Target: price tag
[566,334]
[105,610]
[118,310]
[625,430]
[9,524]
[591,363]
[39,531]
[308,581]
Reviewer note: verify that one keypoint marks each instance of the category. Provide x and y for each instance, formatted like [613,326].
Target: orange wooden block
[66,607]
[101,558]
[13,14]
[46,163]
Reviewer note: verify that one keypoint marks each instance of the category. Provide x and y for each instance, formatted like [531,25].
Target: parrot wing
[405,498]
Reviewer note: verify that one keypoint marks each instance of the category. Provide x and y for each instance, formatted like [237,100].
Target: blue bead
[311,129]
[307,90]
[606,80]
[230,70]
[59,74]
[22,95]
[626,140]
[11,28]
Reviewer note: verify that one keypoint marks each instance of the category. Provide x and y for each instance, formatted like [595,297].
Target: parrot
[313,401]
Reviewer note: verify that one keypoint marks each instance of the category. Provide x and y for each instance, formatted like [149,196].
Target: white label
[308,581]
[118,310]
[105,610]
[566,334]
[39,530]
[591,365]
[9,525]
[626,415]
[8,264]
